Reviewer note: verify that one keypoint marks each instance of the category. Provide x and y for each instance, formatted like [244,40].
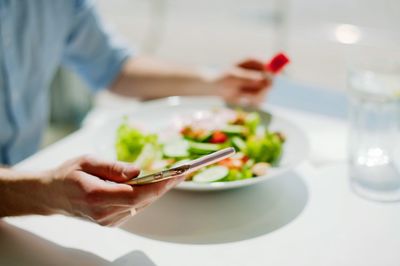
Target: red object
[231,163]
[277,63]
[218,137]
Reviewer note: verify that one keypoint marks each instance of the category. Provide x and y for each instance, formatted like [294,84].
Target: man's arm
[91,52]
[79,187]
[147,78]
[24,193]
[144,77]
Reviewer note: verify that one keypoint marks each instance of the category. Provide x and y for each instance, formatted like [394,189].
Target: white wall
[220,32]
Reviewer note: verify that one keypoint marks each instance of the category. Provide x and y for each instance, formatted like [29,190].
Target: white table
[306,217]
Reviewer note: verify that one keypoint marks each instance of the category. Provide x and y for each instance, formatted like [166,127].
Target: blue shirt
[36,37]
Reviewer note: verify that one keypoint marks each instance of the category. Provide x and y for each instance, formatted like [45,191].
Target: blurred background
[319,35]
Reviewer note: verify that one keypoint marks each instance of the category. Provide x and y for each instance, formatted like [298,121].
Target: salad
[257,147]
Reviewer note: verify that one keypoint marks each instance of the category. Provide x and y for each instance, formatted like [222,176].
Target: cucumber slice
[180,163]
[211,174]
[203,148]
[234,130]
[239,144]
[176,149]
[147,156]
[206,137]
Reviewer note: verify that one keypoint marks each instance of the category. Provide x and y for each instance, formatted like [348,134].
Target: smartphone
[185,169]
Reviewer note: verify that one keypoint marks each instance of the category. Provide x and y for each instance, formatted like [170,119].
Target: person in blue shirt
[36,37]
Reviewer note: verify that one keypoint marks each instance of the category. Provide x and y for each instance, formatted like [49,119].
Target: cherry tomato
[245,158]
[218,137]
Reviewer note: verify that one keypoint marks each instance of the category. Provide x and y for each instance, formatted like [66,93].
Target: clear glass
[374,133]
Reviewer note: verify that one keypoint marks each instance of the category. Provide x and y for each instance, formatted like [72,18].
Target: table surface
[306,217]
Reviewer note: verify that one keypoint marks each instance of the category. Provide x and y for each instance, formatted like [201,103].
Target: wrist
[209,74]
[25,193]
[51,194]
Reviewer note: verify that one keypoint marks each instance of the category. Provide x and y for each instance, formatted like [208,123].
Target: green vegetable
[176,149]
[266,149]
[239,144]
[203,148]
[277,143]
[211,174]
[235,130]
[249,163]
[255,144]
[149,154]
[130,142]
[252,122]
[206,137]
[235,174]
[247,173]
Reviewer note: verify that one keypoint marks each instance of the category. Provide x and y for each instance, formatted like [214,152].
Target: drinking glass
[374,131]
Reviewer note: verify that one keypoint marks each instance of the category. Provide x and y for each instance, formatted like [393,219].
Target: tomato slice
[218,137]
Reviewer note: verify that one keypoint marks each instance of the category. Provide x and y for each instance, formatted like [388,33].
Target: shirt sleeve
[90,50]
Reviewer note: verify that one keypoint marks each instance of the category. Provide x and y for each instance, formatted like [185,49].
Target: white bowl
[157,114]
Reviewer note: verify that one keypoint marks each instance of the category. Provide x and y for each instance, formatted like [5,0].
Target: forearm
[24,193]
[147,78]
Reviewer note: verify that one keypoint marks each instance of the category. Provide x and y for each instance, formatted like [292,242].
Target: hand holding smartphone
[185,169]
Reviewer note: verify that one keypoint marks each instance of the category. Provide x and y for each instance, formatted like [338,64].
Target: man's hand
[83,190]
[246,84]
[85,187]
[146,78]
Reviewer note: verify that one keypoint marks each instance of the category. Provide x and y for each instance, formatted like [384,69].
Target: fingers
[243,95]
[246,75]
[102,213]
[122,219]
[245,87]
[109,203]
[116,219]
[247,80]
[252,64]
[108,170]
[129,205]
[247,98]
[254,99]
[253,87]
[139,209]
[146,194]
[100,193]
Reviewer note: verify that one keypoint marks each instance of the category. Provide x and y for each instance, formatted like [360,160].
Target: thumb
[109,170]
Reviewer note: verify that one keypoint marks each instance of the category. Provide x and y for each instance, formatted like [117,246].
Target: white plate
[158,114]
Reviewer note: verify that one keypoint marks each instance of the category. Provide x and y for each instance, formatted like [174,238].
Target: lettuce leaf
[130,142]
[265,149]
